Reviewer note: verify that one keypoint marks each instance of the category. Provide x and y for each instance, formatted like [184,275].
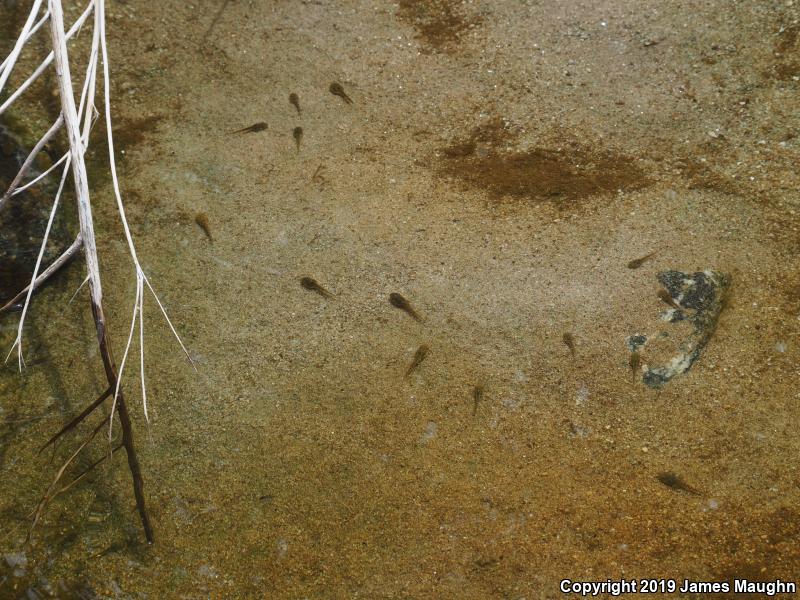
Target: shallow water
[499,166]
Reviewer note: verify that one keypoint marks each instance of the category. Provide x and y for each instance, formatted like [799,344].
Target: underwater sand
[499,166]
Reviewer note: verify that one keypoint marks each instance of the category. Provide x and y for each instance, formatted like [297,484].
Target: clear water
[500,165]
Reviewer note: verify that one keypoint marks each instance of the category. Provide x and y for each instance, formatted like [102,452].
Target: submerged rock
[698,299]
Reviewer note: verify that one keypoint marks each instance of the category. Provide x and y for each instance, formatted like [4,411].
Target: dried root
[76,121]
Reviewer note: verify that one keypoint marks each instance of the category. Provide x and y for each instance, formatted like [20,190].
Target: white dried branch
[31,33]
[42,175]
[8,64]
[18,341]
[46,62]
[78,139]
[31,157]
[51,270]
[87,92]
[87,98]
[141,278]
[76,148]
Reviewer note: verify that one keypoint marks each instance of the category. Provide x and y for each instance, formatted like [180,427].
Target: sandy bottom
[499,166]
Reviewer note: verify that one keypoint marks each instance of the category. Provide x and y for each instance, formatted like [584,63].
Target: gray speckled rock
[672,350]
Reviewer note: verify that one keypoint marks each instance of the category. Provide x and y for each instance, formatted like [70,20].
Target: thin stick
[41,176]
[31,33]
[141,278]
[48,494]
[28,419]
[80,287]
[124,419]
[125,354]
[46,62]
[172,328]
[18,342]
[8,64]
[87,229]
[86,94]
[74,422]
[31,157]
[217,16]
[51,270]
[87,470]
[141,359]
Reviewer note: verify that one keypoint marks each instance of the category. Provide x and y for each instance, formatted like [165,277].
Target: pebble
[430,431]
[582,394]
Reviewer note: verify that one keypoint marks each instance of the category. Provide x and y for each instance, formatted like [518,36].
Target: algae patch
[488,160]
[440,24]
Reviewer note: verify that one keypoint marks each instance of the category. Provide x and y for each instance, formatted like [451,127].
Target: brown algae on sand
[440,24]
[486,159]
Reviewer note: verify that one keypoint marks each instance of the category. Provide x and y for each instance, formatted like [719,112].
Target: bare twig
[45,63]
[214,22]
[88,470]
[28,419]
[77,123]
[48,495]
[31,157]
[141,278]
[51,270]
[8,64]
[42,175]
[31,33]
[72,125]
[74,422]
[18,341]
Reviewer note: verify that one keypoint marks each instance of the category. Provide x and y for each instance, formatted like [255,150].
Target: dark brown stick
[49,495]
[124,419]
[127,435]
[214,21]
[86,412]
[133,464]
[87,470]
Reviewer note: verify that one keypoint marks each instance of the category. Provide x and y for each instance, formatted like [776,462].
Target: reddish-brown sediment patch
[759,547]
[128,133]
[133,132]
[487,160]
[699,175]
[786,54]
[440,24]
